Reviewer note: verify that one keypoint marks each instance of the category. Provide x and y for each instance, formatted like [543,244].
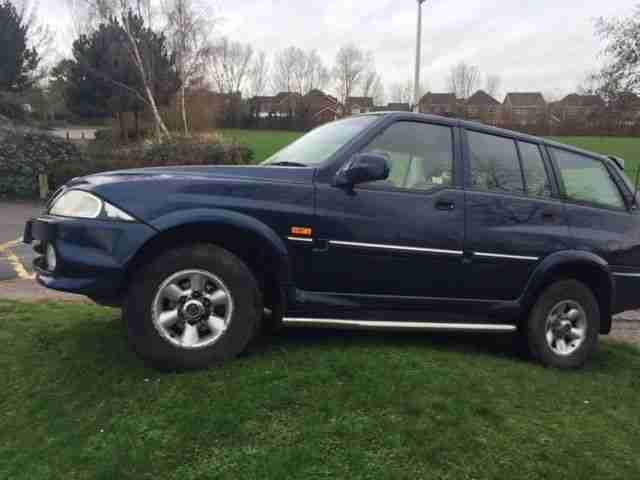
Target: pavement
[17,280]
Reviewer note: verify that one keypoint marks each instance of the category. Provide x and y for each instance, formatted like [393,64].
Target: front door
[401,237]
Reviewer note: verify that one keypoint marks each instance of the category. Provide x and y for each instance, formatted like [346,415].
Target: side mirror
[363,167]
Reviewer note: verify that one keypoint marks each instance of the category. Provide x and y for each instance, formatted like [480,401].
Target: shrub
[105,154]
[26,154]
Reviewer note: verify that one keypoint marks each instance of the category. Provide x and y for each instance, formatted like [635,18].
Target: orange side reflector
[302,231]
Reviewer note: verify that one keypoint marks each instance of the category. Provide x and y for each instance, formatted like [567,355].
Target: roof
[575,100]
[482,98]
[525,99]
[399,107]
[438,98]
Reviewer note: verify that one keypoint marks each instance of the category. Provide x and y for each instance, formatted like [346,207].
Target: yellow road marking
[14,260]
[12,243]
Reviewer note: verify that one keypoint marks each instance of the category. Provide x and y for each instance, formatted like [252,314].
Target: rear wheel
[192,307]
[564,325]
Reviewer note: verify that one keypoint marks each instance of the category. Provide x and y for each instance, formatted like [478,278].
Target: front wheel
[192,307]
[564,325]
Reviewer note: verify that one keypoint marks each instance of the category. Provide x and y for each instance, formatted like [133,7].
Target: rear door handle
[548,216]
[444,205]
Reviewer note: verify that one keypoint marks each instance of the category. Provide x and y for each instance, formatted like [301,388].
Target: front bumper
[92,254]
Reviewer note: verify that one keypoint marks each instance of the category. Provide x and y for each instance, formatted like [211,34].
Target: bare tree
[463,80]
[285,65]
[403,92]
[312,73]
[300,72]
[126,11]
[492,85]
[189,27]
[351,63]
[369,81]
[377,92]
[259,75]
[229,64]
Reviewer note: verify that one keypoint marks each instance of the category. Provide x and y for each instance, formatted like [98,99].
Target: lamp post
[416,84]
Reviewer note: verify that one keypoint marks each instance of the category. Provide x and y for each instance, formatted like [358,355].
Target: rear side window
[586,179]
[494,163]
[535,175]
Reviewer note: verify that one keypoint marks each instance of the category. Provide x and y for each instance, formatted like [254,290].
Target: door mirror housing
[363,167]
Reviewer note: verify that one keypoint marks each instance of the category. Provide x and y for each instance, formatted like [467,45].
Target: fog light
[52,260]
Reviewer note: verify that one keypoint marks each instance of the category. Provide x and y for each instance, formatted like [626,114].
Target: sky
[541,45]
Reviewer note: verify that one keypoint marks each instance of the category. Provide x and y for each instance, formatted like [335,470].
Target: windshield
[319,144]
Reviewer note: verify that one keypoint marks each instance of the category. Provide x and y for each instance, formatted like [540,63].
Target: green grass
[263,142]
[624,147]
[77,403]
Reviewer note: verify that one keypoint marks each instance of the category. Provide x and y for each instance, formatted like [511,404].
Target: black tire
[244,321]
[536,331]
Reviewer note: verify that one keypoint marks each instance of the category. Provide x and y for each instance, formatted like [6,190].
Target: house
[484,108]
[321,108]
[524,108]
[444,104]
[282,105]
[358,105]
[577,108]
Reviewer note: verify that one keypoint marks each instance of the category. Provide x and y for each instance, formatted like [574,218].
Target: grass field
[627,148]
[76,403]
[266,142]
[263,142]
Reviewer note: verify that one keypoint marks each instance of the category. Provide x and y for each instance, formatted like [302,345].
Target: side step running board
[370,325]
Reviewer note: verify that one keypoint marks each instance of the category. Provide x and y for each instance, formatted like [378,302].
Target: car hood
[150,193]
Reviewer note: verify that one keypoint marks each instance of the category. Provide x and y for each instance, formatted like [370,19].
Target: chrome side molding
[397,248]
[300,239]
[509,257]
[383,325]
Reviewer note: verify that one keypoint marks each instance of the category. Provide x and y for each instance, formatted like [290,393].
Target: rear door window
[494,163]
[535,174]
[587,180]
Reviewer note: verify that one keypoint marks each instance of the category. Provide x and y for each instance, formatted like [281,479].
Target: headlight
[79,204]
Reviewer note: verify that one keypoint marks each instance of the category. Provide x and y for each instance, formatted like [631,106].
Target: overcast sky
[541,45]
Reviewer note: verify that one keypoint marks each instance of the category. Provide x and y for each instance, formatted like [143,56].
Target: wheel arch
[251,240]
[586,267]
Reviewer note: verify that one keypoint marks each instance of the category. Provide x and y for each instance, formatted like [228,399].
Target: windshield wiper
[287,164]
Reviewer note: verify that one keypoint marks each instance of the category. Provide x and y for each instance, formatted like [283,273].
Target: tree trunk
[161,128]
[183,107]
[136,116]
[123,127]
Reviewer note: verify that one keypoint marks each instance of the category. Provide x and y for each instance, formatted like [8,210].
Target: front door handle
[445,205]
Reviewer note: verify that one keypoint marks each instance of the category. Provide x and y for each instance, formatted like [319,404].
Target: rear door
[514,215]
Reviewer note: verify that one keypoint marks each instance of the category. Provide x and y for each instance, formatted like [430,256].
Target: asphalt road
[15,257]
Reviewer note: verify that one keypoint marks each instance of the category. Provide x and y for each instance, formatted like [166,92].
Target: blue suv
[393,220]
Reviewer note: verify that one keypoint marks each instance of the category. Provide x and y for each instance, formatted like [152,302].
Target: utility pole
[416,84]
